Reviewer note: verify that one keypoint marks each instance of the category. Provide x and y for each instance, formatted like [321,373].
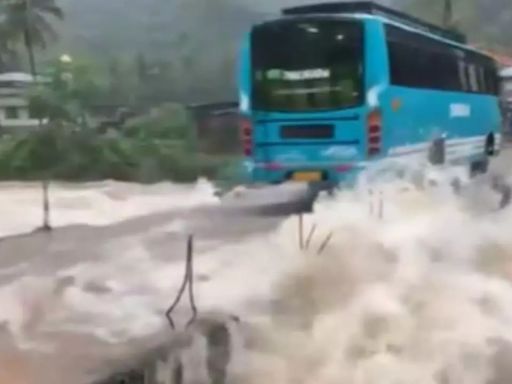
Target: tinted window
[421,62]
[307,64]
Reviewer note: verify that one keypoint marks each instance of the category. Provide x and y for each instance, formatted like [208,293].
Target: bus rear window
[307,65]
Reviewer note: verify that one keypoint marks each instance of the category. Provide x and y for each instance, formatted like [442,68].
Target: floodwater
[398,286]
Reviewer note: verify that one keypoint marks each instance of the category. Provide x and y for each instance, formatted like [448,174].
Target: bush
[159,146]
[61,153]
[170,121]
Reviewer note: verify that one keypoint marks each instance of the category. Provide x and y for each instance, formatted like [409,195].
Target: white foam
[402,298]
[409,295]
[100,203]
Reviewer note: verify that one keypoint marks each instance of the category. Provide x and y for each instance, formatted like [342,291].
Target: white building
[14,105]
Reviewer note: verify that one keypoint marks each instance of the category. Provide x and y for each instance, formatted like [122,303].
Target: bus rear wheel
[437,152]
[490,146]
[481,166]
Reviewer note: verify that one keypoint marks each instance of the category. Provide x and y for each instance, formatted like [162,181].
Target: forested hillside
[198,38]
[188,47]
[157,27]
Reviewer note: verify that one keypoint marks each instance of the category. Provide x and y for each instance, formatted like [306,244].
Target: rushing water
[416,289]
[94,203]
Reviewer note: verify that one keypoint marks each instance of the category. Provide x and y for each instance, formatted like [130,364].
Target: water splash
[418,294]
[100,203]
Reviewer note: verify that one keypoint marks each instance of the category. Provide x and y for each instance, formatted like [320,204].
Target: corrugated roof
[21,77]
[507,72]
[16,76]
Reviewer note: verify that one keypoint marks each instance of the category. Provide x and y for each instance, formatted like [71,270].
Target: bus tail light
[246,136]
[374,133]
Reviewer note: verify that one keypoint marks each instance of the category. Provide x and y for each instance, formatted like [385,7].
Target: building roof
[219,108]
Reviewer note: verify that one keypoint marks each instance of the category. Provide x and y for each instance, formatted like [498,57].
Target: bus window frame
[472,61]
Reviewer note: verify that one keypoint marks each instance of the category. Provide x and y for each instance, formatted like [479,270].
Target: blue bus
[327,89]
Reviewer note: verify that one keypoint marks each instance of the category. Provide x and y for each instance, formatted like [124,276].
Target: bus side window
[403,68]
[463,78]
[419,62]
[473,78]
[481,78]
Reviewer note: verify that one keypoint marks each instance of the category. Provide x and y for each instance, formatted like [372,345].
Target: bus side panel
[420,116]
[376,62]
[415,117]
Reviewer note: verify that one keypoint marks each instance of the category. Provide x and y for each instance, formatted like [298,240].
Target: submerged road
[46,253]
[46,277]
[37,268]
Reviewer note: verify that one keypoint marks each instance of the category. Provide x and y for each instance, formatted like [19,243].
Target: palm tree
[27,22]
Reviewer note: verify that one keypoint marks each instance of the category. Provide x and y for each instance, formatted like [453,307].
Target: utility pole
[29,45]
[448,14]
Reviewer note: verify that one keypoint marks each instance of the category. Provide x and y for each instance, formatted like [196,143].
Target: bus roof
[364,16]
[432,36]
[371,8]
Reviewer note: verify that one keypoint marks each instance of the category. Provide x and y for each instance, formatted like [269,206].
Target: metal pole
[33,70]
[381,205]
[301,231]
[325,243]
[448,14]
[370,194]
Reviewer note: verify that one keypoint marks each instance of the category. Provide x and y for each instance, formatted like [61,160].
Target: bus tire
[481,167]
[437,154]
[490,146]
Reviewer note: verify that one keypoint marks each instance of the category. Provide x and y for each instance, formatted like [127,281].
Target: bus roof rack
[369,7]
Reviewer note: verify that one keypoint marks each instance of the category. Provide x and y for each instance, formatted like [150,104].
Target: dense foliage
[63,152]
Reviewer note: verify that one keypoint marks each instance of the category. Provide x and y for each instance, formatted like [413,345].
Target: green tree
[69,94]
[123,81]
